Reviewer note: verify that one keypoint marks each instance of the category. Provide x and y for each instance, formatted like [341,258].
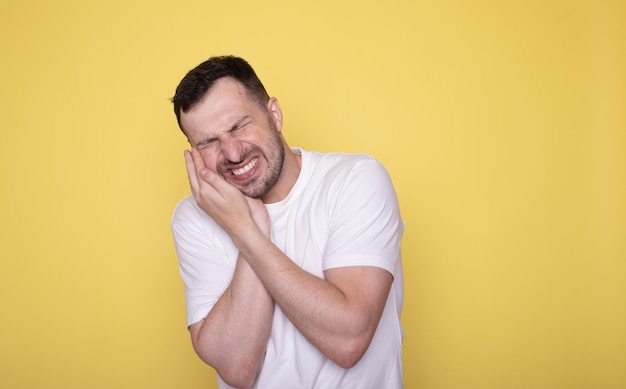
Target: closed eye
[241,124]
[205,144]
[235,128]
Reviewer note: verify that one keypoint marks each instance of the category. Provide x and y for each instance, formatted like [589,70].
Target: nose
[231,148]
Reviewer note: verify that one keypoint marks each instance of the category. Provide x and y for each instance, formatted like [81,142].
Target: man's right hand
[230,208]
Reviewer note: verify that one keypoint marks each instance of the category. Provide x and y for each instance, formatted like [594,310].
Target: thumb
[218,182]
[208,175]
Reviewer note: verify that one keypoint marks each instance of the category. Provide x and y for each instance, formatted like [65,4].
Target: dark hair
[195,85]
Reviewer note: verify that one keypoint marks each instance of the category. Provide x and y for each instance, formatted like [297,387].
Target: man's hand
[233,336]
[338,313]
[230,208]
[259,215]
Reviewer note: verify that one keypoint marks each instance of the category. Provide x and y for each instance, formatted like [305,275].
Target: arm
[338,314]
[233,336]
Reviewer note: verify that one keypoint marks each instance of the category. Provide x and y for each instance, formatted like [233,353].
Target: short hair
[198,81]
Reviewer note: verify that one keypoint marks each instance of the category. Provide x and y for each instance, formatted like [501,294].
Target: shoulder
[192,227]
[188,215]
[185,210]
[342,178]
[343,163]
[338,172]
[358,169]
[334,158]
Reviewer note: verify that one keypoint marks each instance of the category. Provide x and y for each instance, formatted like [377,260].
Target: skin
[229,134]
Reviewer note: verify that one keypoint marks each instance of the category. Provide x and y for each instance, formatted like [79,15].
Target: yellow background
[502,124]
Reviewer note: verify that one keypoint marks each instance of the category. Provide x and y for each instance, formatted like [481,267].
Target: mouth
[240,172]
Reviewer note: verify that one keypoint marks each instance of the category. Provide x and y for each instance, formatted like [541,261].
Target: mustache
[227,164]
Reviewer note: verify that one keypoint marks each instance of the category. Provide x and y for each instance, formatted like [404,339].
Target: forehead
[225,103]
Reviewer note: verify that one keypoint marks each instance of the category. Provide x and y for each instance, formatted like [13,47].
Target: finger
[192,173]
[197,160]
[207,181]
[213,183]
[203,173]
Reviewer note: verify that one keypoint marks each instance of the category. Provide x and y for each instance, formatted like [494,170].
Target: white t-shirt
[342,211]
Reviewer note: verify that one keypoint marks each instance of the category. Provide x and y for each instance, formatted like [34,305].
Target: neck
[288,177]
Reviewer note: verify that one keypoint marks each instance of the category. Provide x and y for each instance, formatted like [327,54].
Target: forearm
[233,336]
[320,311]
[335,321]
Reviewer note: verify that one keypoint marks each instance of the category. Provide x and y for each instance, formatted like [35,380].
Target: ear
[275,113]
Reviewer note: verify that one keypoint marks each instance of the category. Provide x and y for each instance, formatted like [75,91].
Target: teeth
[238,172]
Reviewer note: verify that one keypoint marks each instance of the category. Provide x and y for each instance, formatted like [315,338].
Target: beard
[273,152]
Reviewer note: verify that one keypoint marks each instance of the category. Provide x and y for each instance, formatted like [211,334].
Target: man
[290,258]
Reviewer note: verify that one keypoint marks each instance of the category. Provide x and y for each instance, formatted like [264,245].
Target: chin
[254,192]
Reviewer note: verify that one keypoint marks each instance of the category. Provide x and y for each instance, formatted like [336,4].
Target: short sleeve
[365,227]
[206,258]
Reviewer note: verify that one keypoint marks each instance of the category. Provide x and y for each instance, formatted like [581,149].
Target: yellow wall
[502,124]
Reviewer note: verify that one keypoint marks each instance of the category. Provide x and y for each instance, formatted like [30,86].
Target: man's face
[237,138]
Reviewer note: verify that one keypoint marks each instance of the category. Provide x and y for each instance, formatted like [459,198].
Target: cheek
[210,160]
